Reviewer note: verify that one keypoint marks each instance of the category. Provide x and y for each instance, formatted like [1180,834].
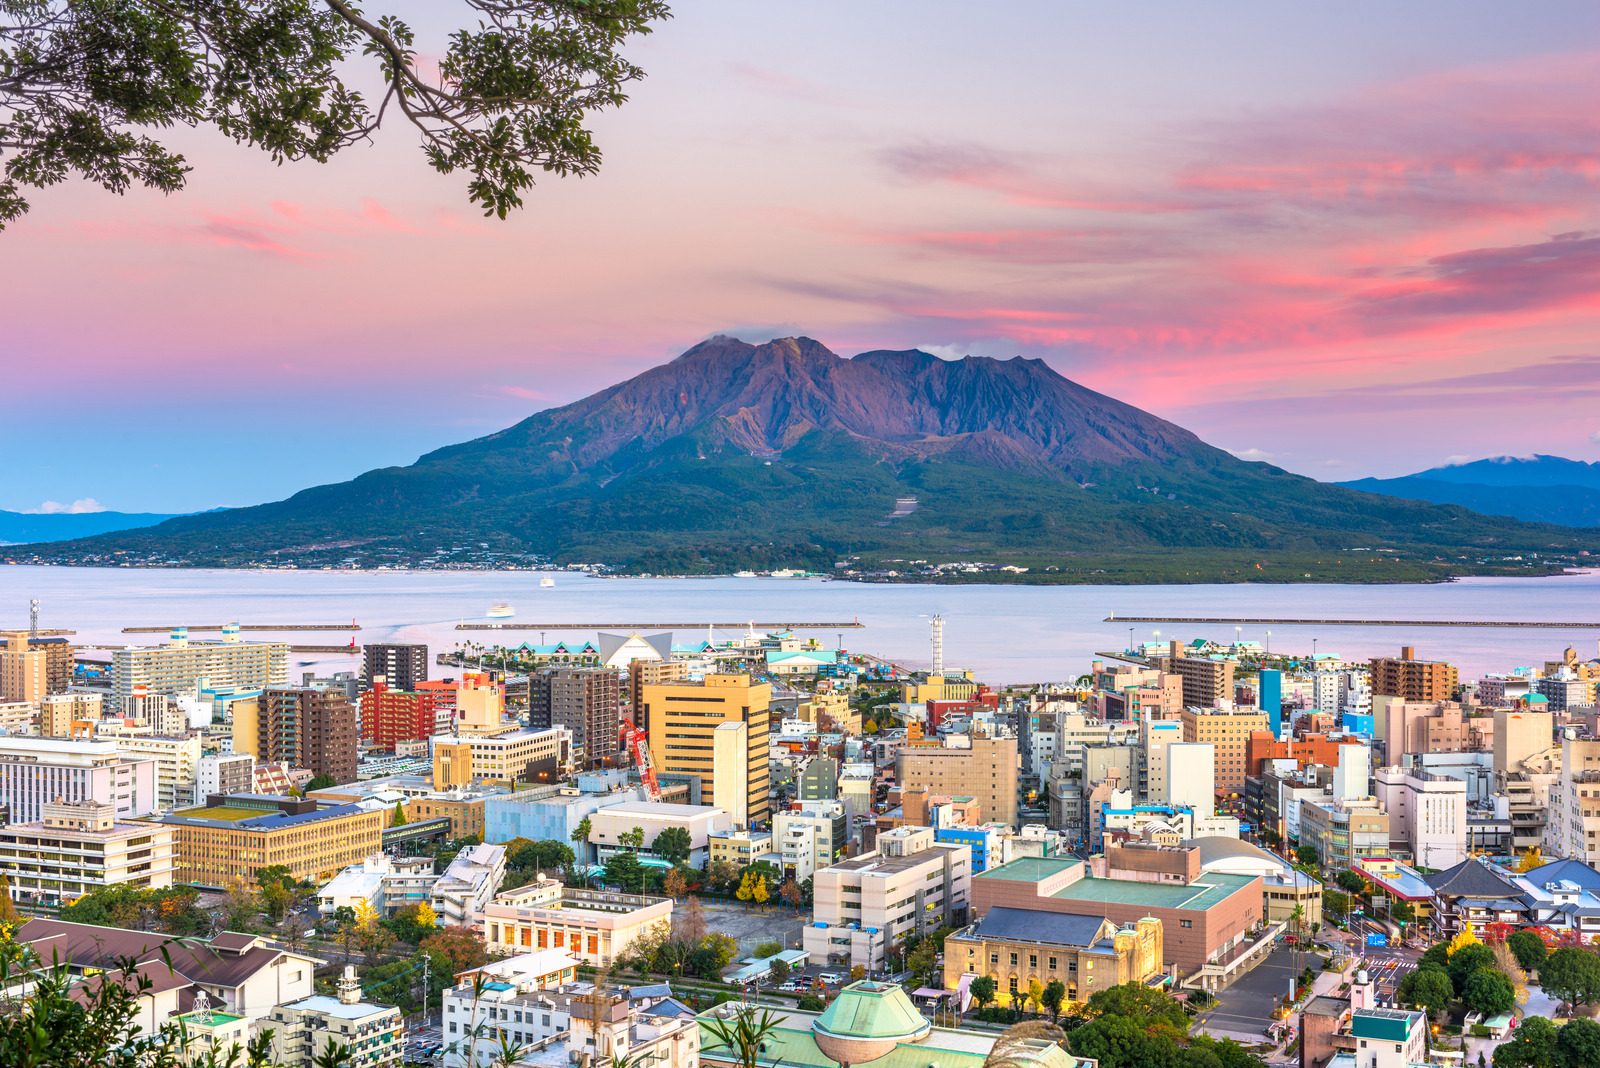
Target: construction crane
[635,739]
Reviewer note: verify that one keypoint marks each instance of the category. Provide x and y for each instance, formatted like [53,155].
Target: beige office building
[79,846]
[681,721]
[1230,733]
[730,771]
[532,756]
[1520,734]
[594,926]
[977,766]
[909,885]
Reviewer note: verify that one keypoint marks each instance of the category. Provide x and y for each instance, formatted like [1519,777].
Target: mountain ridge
[1538,488]
[735,455]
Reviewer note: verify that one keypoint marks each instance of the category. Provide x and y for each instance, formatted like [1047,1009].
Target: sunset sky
[1349,239]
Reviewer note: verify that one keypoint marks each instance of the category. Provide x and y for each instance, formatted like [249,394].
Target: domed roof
[866,1021]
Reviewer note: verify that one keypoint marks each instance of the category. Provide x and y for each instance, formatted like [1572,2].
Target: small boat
[501,611]
[546,583]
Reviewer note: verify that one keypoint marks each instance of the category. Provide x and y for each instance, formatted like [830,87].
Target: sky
[1356,239]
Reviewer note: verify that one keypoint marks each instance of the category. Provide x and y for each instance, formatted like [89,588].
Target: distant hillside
[21,528]
[1542,489]
[785,455]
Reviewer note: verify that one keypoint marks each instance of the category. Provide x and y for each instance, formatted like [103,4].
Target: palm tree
[1021,1045]
[744,1033]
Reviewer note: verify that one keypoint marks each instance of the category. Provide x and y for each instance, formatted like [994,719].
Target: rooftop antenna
[33,618]
[937,623]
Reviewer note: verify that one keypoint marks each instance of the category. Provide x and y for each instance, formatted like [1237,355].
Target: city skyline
[1347,249]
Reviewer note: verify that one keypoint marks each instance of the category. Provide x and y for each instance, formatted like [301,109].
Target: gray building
[585,700]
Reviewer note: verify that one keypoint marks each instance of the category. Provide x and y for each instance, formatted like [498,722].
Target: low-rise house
[383,883]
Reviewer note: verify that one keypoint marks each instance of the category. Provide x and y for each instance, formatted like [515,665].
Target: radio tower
[33,618]
[937,623]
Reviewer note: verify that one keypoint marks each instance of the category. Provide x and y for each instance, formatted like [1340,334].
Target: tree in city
[581,832]
[1528,948]
[413,923]
[632,840]
[346,928]
[241,907]
[1335,904]
[1428,989]
[768,949]
[790,893]
[398,819]
[1349,881]
[1578,1042]
[743,1034]
[675,884]
[1465,937]
[1531,858]
[672,844]
[455,949]
[1505,962]
[922,960]
[1306,854]
[1055,993]
[1489,992]
[1467,960]
[780,972]
[690,921]
[87,89]
[760,893]
[722,874]
[625,871]
[1034,995]
[318,782]
[983,990]
[1571,974]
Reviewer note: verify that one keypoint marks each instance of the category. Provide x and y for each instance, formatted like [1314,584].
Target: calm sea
[1005,633]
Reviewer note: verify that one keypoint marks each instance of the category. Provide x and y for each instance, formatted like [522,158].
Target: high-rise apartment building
[1519,734]
[390,716]
[224,773]
[586,701]
[977,766]
[400,664]
[180,665]
[58,712]
[312,729]
[1411,679]
[642,673]
[1230,733]
[681,719]
[1207,683]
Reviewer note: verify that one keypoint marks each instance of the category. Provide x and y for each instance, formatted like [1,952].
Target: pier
[854,624]
[352,625]
[1255,621]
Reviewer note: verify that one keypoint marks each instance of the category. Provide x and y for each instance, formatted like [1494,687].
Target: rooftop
[1205,892]
[324,1005]
[1031,869]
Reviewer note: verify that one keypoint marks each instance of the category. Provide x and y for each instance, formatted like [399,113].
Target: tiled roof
[1470,878]
[1029,926]
[86,946]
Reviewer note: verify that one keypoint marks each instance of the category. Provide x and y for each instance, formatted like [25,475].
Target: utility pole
[427,989]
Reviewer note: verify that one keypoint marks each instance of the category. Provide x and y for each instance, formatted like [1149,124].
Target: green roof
[208,1019]
[872,1010]
[1385,1025]
[1205,892]
[797,1049]
[1031,869]
[221,812]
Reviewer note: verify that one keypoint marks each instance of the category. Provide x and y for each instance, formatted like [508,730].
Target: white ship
[546,583]
[501,611]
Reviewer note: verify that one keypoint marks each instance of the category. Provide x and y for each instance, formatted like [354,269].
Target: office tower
[1230,733]
[1411,679]
[400,664]
[586,701]
[181,665]
[1518,735]
[1192,781]
[681,720]
[37,771]
[730,770]
[984,769]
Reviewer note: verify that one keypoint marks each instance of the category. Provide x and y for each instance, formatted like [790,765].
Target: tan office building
[24,669]
[58,712]
[1412,679]
[985,770]
[233,837]
[681,721]
[1229,733]
[531,756]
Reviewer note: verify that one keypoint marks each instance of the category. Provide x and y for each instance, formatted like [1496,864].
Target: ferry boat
[546,583]
[501,611]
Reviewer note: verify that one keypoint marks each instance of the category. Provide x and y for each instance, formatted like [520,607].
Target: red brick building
[1311,749]
[389,717]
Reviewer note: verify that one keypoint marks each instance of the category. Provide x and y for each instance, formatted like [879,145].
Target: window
[1185,923]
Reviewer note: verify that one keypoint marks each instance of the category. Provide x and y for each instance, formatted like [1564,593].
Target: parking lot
[1245,1008]
[751,927]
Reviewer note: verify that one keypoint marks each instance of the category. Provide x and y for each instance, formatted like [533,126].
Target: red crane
[635,739]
